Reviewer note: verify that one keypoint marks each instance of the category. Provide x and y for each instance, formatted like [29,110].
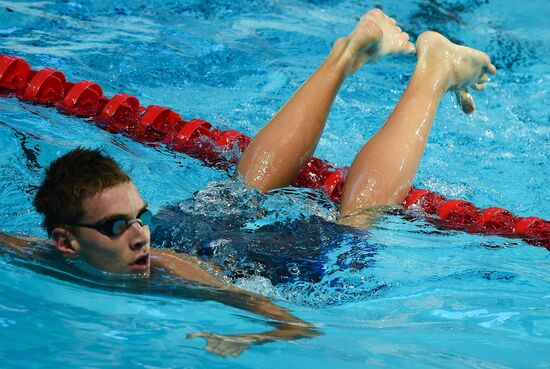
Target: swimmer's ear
[64,241]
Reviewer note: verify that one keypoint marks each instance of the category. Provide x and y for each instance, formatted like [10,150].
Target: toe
[375,12]
[479,86]
[491,69]
[465,100]
[483,79]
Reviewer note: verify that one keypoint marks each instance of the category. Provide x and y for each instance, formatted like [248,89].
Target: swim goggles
[116,226]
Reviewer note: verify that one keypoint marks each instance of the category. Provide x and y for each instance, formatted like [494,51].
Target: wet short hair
[70,179]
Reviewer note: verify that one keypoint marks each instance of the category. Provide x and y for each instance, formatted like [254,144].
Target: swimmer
[99,217]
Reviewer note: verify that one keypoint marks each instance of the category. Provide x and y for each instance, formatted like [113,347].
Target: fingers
[216,345]
[491,69]
[221,345]
[204,335]
[219,348]
[465,100]
[213,345]
[225,348]
[194,335]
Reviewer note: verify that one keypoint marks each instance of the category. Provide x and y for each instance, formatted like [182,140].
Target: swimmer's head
[93,211]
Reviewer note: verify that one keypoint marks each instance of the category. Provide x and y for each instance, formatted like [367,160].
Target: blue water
[403,294]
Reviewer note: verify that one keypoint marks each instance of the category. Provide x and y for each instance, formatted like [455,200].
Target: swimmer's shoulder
[186,266]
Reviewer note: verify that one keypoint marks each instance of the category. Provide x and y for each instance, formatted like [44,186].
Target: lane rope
[124,114]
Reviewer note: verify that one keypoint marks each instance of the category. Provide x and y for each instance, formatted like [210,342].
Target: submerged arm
[12,242]
[21,244]
[287,326]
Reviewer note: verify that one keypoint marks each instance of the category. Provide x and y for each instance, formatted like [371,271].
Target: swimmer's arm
[22,244]
[288,326]
[11,241]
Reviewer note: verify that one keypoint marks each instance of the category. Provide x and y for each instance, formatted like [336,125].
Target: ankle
[340,56]
[340,51]
[433,72]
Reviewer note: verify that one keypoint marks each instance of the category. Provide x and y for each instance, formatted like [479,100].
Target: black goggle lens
[117,226]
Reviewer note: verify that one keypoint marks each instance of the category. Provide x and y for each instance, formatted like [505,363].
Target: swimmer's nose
[139,235]
[137,224]
[138,245]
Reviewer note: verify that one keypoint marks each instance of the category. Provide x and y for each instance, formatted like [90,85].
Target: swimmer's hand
[226,345]
[287,326]
[235,344]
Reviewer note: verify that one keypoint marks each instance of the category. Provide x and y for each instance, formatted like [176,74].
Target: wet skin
[381,173]
[127,253]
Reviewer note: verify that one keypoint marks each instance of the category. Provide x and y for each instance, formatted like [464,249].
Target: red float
[123,113]
[190,135]
[13,72]
[46,86]
[497,220]
[83,99]
[157,124]
[460,214]
[120,113]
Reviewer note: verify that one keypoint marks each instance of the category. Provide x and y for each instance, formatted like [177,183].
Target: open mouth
[142,262]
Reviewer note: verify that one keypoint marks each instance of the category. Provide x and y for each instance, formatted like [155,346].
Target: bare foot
[461,66]
[374,37]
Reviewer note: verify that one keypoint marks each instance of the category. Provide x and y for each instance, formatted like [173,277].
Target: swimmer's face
[127,253]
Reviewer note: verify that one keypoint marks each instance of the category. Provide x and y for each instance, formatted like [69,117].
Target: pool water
[403,294]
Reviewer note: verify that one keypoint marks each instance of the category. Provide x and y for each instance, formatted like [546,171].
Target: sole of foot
[375,36]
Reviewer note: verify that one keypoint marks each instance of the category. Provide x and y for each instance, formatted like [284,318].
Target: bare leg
[384,168]
[281,148]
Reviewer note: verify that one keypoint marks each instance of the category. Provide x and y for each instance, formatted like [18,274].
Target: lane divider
[124,114]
